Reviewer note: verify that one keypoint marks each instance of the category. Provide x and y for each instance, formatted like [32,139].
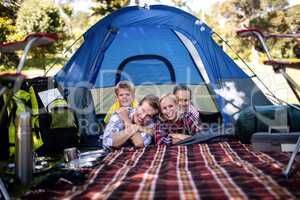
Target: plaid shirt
[116,124]
[186,124]
[194,111]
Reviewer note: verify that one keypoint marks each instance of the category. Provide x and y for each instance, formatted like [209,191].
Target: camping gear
[55,122]
[279,67]
[32,40]
[4,137]
[81,102]
[288,169]
[157,47]
[3,191]
[225,170]
[74,159]
[96,153]
[262,118]
[24,152]
[266,141]
[71,154]
[13,82]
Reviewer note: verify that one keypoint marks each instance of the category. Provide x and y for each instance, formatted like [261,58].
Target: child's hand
[123,113]
[134,128]
[149,131]
[141,129]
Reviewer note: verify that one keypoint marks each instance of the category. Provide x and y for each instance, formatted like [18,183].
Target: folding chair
[279,67]
[13,82]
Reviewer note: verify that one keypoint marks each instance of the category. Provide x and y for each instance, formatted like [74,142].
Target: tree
[8,10]
[107,6]
[293,18]
[41,16]
[268,15]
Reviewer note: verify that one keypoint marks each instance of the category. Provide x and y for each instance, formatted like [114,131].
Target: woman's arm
[177,137]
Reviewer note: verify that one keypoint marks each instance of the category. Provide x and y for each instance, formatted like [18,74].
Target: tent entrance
[103,98]
[145,70]
[146,55]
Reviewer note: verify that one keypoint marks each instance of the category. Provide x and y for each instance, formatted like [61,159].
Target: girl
[174,126]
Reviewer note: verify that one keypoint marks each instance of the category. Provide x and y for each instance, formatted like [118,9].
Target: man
[141,129]
[184,97]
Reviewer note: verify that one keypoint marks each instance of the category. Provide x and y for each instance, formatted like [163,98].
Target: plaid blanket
[226,170]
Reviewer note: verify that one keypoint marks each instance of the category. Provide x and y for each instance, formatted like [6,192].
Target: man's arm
[115,135]
[118,139]
[136,139]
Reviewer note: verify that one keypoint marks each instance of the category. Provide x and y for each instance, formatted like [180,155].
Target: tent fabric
[134,20]
[140,43]
[156,46]
[103,97]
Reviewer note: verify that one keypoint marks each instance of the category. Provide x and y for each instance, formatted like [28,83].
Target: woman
[174,126]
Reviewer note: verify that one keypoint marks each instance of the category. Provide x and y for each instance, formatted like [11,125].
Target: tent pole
[268,89]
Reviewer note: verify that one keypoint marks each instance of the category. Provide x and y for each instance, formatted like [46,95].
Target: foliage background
[20,17]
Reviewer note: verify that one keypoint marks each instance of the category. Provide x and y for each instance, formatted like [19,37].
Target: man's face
[144,113]
[184,99]
[125,97]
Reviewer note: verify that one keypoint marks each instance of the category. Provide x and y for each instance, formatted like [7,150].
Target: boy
[124,91]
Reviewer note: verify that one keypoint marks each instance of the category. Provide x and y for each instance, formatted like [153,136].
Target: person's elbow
[107,142]
[116,145]
[138,144]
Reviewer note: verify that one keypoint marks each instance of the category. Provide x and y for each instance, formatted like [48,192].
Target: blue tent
[157,47]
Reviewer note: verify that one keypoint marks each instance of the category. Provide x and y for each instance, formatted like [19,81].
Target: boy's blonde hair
[125,85]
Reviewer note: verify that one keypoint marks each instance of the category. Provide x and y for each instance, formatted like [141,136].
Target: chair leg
[3,191]
[292,159]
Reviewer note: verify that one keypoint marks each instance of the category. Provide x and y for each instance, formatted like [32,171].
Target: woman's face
[168,109]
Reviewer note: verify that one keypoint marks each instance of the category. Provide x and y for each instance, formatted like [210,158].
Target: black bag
[55,139]
[89,128]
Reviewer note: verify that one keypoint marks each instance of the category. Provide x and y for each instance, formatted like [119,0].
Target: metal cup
[71,154]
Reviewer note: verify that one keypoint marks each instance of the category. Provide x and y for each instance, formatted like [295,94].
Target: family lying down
[169,119]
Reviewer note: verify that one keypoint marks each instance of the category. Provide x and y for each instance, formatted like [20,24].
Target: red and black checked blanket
[227,170]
